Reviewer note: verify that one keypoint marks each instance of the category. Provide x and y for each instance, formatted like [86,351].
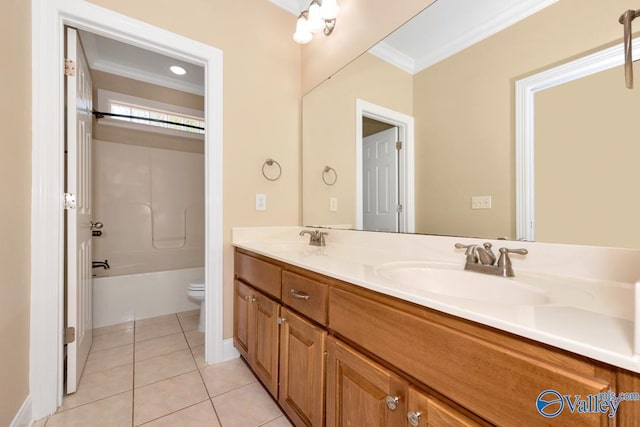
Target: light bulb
[315,23]
[302,34]
[176,69]
[329,9]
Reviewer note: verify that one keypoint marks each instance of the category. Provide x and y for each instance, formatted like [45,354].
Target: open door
[79,316]
[380,181]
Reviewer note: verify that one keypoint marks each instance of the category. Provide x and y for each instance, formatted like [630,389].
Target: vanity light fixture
[321,16]
[178,70]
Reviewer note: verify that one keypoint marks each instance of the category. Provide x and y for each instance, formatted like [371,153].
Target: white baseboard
[24,415]
[229,352]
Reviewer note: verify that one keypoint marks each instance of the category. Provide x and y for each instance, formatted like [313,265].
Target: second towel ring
[271,162]
[325,171]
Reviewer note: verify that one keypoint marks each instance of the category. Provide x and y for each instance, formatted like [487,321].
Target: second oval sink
[425,277]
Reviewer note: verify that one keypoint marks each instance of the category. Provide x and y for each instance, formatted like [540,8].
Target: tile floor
[151,372]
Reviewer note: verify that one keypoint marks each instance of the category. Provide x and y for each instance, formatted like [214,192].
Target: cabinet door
[243,296]
[361,393]
[426,411]
[302,370]
[264,341]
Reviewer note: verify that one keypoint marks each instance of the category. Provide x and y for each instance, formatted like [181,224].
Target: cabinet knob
[414,418]
[392,402]
[249,298]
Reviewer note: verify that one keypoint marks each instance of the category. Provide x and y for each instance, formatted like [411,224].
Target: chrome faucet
[483,260]
[316,237]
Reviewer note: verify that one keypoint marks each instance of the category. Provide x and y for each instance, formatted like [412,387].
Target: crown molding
[133,73]
[394,57]
[517,12]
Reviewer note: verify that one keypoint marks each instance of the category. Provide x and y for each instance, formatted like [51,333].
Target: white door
[380,181]
[78,218]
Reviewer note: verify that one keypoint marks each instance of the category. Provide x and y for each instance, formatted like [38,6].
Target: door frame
[48,18]
[406,168]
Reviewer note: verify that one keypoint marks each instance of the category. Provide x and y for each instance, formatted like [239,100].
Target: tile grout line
[171,413]
[184,373]
[133,379]
[204,383]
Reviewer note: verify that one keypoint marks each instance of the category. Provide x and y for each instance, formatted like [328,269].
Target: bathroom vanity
[337,342]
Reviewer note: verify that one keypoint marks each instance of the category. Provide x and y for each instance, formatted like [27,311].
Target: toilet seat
[196,285]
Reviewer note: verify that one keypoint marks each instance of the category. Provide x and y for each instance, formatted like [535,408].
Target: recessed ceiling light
[176,69]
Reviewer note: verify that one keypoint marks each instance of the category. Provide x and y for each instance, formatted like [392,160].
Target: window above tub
[186,122]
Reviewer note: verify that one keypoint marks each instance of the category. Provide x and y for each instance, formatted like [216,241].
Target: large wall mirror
[453,71]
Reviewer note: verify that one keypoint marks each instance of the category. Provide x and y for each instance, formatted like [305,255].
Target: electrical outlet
[481,202]
[261,202]
[333,204]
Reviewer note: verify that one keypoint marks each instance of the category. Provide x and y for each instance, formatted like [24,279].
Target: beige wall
[360,25]
[586,164]
[261,104]
[464,114]
[329,133]
[15,193]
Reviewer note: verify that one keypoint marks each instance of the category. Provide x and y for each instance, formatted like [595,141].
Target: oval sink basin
[424,277]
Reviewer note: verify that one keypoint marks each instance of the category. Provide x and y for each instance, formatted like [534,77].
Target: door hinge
[69,335]
[281,320]
[69,67]
[399,145]
[399,208]
[69,201]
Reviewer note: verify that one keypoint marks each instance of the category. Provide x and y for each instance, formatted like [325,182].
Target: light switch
[261,202]
[333,204]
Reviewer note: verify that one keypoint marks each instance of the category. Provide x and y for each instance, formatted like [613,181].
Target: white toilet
[196,292]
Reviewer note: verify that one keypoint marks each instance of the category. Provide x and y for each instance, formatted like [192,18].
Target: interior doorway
[47,273]
[384,169]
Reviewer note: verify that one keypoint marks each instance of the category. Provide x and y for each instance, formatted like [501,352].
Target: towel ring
[271,162]
[325,171]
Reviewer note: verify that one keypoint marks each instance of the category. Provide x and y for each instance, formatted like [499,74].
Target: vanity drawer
[259,274]
[305,295]
[497,383]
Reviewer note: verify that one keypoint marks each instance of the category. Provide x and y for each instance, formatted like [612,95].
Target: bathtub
[119,299]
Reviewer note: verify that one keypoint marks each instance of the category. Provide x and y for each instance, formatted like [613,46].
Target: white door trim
[48,20]
[406,178]
[525,122]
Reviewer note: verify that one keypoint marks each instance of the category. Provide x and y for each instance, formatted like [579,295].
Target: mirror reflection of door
[380,168]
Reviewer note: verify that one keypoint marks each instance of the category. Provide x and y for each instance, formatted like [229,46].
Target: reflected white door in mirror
[586,161]
[384,171]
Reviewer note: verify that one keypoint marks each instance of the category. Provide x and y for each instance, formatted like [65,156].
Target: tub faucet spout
[100,264]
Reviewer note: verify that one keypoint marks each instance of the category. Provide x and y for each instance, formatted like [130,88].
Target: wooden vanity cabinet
[361,393]
[425,410]
[302,368]
[280,337]
[386,359]
[256,334]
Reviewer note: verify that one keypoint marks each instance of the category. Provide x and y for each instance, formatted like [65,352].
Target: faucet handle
[504,260]
[469,248]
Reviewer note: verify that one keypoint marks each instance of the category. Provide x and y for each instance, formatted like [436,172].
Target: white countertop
[592,293]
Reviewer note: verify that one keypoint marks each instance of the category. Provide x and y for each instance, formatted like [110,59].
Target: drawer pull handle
[299,295]
[414,418]
[249,298]
[392,402]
